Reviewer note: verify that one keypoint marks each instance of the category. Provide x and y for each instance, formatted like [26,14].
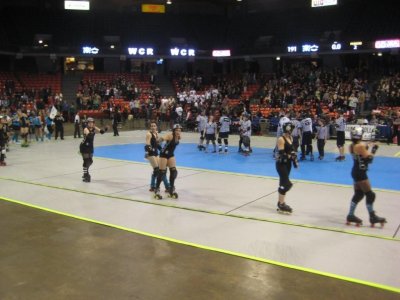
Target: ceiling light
[278,58]
[40,42]
[169,2]
[112,46]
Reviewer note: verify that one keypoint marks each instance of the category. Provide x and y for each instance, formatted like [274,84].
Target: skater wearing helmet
[86,147]
[362,158]
[245,134]
[286,156]
[167,159]
[151,154]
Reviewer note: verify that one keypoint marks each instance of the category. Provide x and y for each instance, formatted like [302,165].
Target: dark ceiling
[182,5]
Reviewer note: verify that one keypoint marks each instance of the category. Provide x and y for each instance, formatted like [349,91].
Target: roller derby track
[227,202]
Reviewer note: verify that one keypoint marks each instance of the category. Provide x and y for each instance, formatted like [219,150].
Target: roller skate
[311,157]
[157,195]
[199,147]
[353,219]
[152,189]
[340,158]
[86,178]
[320,157]
[373,219]
[284,208]
[3,164]
[172,194]
[302,157]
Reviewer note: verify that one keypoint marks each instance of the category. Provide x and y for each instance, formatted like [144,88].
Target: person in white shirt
[77,124]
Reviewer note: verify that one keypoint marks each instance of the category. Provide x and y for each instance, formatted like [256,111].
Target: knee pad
[358,195]
[219,141]
[283,189]
[370,197]
[173,172]
[155,171]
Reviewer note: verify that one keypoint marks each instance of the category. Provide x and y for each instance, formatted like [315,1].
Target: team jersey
[296,129]
[86,145]
[340,124]
[306,125]
[245,128]
[202,121]
[169,147]
[211,128]
[225,124]
[322,133]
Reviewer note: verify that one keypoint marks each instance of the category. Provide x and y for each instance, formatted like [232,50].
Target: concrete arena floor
[47,252]
[48,256]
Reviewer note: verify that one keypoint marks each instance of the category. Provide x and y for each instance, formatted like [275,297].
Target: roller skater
[151,154]
[340,125]
[245,134]
[210,131]
[306,140]
[167,159]
[201,126]
[286,156]
[86,147]
[223,132]
[362,158]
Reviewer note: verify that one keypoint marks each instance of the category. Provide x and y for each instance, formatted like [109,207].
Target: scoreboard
[320,3]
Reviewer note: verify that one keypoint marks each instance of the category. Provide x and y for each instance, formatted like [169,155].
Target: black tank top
[153,141]
[288,148]
[360,164]
[169,147]
[88,139]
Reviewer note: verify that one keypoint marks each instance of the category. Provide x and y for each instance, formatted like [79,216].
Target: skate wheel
[358,224]
[372,225]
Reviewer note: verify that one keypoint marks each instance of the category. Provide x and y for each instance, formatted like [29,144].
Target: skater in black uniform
[286,156]
[86,147]
[362,158]
[151,154]
[167,159]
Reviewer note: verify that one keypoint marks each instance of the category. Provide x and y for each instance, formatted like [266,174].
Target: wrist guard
[374,149]
[293,157]
[282,157]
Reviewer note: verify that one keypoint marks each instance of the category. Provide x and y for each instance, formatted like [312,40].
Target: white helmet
[357,133]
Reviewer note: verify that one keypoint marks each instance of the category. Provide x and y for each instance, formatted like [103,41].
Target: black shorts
[306,140]
[223,135]
[167,156]
[340,140]
[210,137]
[359,175]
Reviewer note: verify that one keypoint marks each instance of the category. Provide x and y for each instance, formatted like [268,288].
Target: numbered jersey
[340,124]
[306,124]
[201,121]
[225,124]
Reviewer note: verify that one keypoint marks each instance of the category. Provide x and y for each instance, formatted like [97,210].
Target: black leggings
[283,170]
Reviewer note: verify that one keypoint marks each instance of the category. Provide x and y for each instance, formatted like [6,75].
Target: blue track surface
[383,173]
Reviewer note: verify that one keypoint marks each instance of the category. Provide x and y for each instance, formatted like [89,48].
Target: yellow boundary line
[253,176]
[217,213]
[213,249]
